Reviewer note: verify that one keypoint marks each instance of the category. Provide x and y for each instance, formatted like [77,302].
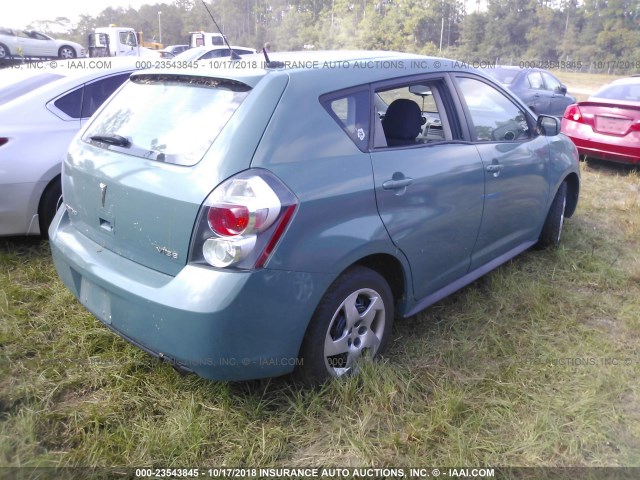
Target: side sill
[467,279]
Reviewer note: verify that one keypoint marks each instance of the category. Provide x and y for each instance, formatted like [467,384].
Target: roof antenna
[234,55]
[269,63]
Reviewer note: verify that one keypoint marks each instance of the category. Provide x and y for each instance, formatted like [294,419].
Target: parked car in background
[540,90]
[172,50]
[607,125]
[206,53]
[29,43]
[242,222]
[40,112]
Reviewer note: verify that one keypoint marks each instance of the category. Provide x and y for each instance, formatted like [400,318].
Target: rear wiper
[112,139]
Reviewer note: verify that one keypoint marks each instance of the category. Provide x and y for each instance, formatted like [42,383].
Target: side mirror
[547,126]
[562,89]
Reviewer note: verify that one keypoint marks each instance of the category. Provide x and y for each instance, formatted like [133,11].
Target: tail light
[573,113]
[242,220]
[3,140]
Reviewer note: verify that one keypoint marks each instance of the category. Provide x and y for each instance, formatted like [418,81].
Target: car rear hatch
[135,178]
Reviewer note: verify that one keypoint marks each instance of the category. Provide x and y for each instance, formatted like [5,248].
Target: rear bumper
[221,325]
[604,147]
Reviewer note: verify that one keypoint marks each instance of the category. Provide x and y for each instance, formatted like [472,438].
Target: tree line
[586,35]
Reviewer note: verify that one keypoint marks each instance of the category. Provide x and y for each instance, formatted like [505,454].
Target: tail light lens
[573,113]
[242,220]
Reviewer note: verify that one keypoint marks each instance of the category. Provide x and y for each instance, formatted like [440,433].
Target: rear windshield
[505,76]
[14,86]
[621,91]
[168,118]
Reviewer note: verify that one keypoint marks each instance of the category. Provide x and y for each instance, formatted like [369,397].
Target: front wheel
[353,320]
[66,52]
[552,229]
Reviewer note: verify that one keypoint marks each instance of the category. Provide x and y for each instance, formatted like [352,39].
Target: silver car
[29,43]
[40,112]
[209,52]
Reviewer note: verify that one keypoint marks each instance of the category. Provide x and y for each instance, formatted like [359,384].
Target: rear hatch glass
[167,118]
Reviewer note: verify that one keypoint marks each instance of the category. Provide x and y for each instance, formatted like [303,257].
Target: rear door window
[535,81]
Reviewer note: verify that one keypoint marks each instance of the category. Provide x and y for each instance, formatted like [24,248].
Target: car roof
[633,80]
[70,73]
[332,69]
[78,67]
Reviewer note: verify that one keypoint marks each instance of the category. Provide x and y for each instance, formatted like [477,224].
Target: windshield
[167,118]
[191,54]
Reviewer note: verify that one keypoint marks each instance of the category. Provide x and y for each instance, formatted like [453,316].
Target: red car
[607,125]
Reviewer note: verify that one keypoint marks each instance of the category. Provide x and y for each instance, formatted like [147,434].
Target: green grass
[514,370]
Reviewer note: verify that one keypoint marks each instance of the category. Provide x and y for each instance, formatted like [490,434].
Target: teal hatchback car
[278,214]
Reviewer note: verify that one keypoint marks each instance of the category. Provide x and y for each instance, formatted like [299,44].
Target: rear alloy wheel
[552,229]
[66,52]
[353,320]
[49,202]
[4,51]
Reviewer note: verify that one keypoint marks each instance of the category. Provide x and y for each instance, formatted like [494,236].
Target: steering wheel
[511,131]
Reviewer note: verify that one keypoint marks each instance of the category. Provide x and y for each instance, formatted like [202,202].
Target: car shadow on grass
[611,168]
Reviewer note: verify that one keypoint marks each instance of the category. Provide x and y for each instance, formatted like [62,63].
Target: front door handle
[494,168]
[397,184]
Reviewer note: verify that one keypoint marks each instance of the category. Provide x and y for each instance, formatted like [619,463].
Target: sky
[19,13]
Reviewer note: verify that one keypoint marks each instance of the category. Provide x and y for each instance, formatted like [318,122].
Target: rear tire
[352,320]
[49,202]
[4,52]
[552,229]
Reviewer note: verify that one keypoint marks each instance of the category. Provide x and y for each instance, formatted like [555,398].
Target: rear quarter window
[351,111]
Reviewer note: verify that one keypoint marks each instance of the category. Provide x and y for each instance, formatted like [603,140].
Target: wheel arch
[52,183]
[573,192]
[393,271]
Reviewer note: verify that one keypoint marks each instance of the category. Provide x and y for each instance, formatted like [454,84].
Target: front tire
[66,52]
[552,229]
[49,203]
[353,320]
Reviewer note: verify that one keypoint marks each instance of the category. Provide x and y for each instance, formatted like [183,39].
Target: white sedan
[40,112]
[32,44]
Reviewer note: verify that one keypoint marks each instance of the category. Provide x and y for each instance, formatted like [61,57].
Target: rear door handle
[397,184]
